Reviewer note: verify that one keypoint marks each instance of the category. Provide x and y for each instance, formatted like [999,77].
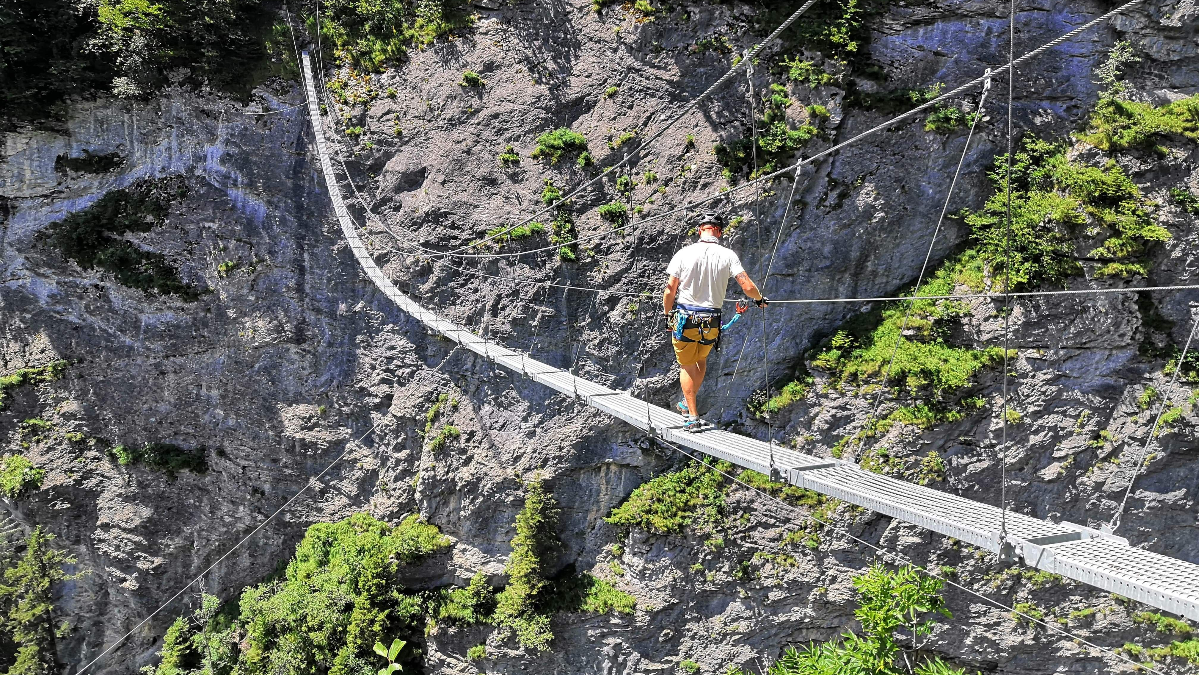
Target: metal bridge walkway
[1073,551]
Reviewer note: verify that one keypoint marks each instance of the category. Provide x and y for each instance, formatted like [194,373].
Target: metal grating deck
[1076,553]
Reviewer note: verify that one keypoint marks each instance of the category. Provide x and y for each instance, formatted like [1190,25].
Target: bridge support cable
[898,558]
[1008,162]
[1074,551]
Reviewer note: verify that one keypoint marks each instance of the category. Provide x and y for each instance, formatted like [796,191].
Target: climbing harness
[704,319]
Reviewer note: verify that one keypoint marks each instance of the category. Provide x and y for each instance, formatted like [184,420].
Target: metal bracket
[1105,532]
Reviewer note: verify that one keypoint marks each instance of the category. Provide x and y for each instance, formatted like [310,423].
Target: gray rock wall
[292,360]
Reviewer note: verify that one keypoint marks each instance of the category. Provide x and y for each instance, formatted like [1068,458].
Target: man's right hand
[761,301]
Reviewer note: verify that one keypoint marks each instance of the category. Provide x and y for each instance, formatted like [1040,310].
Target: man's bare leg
[690,379]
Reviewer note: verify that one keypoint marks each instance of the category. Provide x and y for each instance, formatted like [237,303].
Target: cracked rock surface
[291,360]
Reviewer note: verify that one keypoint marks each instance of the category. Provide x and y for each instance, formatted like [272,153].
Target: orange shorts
[689,353]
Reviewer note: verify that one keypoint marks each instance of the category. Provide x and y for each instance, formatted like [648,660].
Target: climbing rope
[1115,522]
[854,456]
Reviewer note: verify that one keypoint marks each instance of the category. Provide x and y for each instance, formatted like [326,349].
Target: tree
[26,596]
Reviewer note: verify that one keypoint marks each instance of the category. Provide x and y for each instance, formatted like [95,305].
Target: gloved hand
[761,302]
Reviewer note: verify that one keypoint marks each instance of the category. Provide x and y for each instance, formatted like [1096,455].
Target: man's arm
[748,286]
[669,294]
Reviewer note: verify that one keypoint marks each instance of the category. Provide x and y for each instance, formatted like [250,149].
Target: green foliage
[19,476]
[689,666]
[614,213]
[477,653]
[337,599]
[471,78]
[862,349]
[805,72]
[39,375]
[791,494]
[557,144]
[587,593]
[611,92]
[777,142]
[1150,395]
[1185,199]
[945,119]
[1168,419]
[54,49]
[792,392]
[933,469]
[509,156]
[367,34]
[466,606]
[27,631]
[500,235]
[1027,612]
[1121,124]
[226,268]
[894,101]
[517,606]
[166,457]
[1163,624]
[94,237]
[389,653]
[1052,199]
[692,496]
[1181,649]
[888,601]
[443,436]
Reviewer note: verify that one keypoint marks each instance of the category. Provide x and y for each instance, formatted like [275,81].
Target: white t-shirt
[704,269]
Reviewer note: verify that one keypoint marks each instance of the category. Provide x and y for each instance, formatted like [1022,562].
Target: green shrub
[1150,395]
[368,35]
[518,605]
[27,597]
[443,436]
[905,599]
[863,348]
[1185,199]
[1027,612]
[471,78]
[805,72]
[689,666]
[24,376]
[776,143]
[611,92]
[19,476]
[466,606]
[166,457]
[614,213]
[95,237]
[226,268]
[945,119]
[933,469]
[622,139]
[1163,624]
[587,593]
[477,653]
[1052,198]
[694,495]
[509,156]
[1118,124]
[557,144]
[337,598]
[791,494]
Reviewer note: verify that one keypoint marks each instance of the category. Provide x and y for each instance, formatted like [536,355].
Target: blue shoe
[682,408]
[694,425]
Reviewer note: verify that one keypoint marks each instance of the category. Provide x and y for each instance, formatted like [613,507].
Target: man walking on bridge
[698,278]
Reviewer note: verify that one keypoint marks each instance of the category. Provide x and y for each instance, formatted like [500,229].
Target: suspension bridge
[1074,551]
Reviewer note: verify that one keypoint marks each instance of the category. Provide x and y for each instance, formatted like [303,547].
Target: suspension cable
[854,456]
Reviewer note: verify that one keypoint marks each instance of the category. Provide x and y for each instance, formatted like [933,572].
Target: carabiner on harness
[740,308]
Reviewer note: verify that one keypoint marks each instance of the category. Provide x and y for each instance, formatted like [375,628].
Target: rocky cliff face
[286,359]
